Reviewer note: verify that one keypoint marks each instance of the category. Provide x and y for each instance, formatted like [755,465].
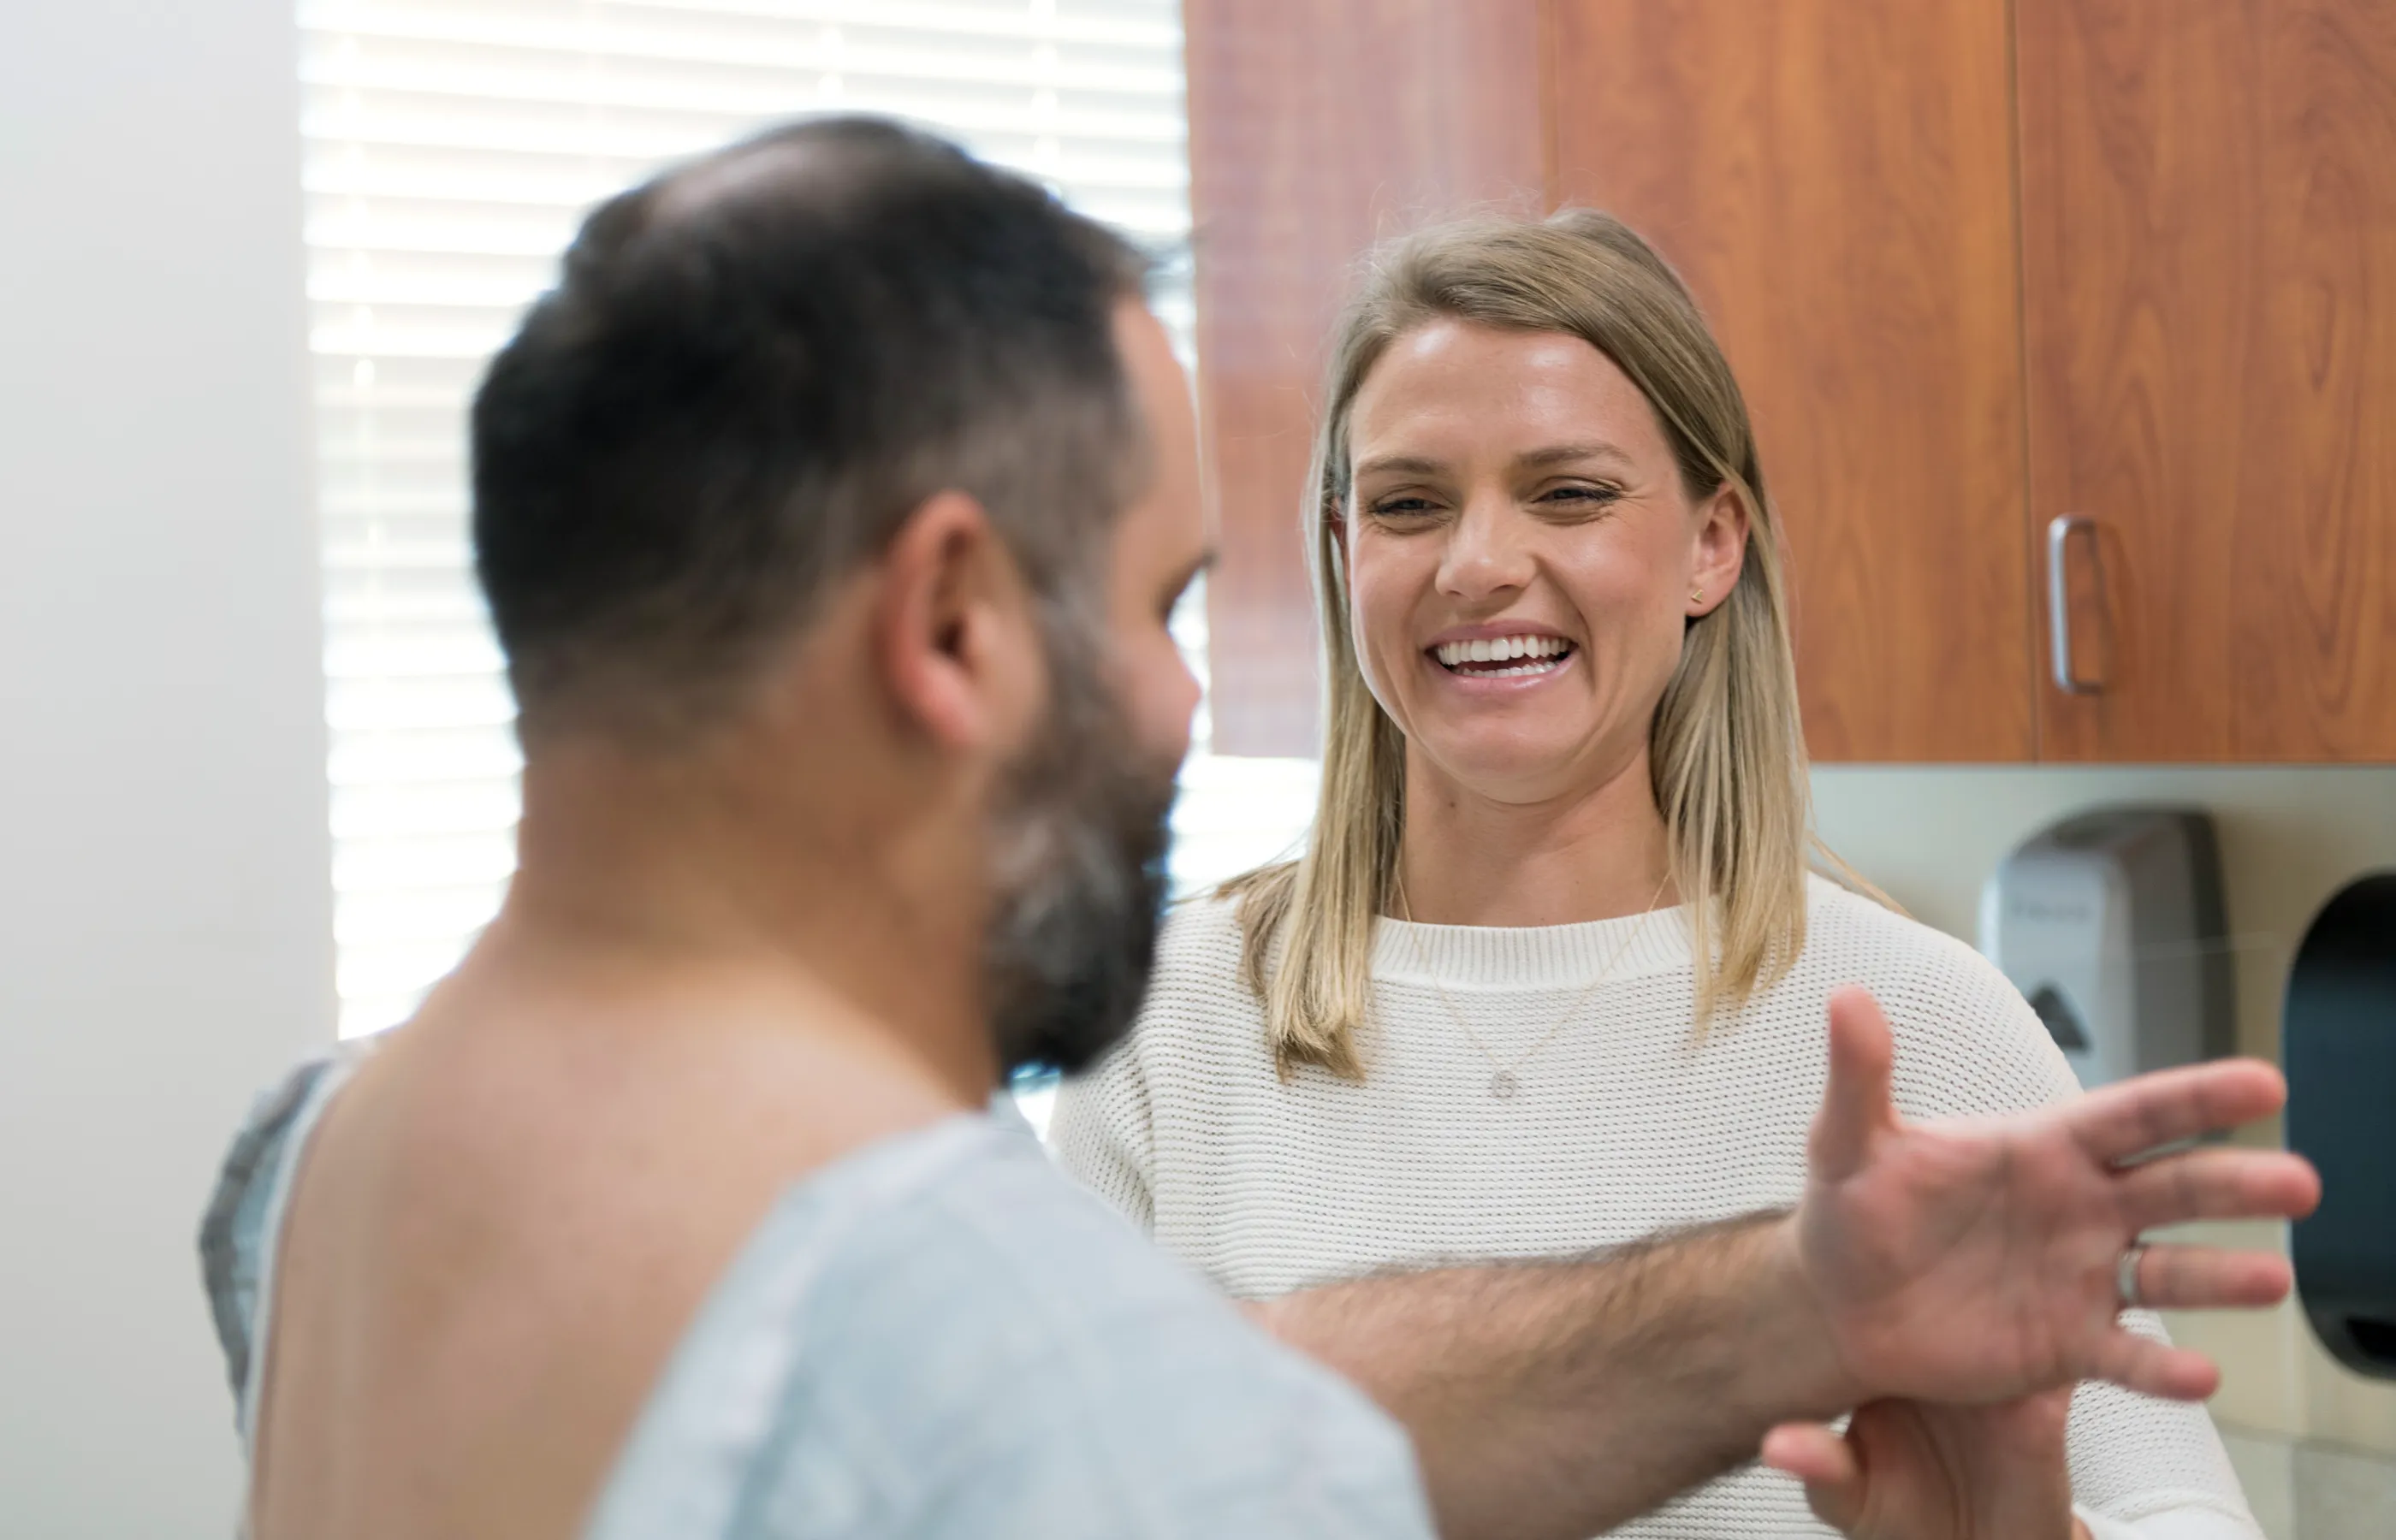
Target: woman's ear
[1720,552]
[954,637]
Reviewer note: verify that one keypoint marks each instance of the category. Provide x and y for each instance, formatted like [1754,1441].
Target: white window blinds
[451,147]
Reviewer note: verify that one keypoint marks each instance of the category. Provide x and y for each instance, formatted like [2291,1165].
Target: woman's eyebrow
[1565,454]
[1400,465]
[1529,459]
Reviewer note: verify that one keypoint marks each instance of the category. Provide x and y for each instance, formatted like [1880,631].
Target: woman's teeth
[1503,657]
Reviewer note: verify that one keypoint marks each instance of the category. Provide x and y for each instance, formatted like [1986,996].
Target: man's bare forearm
[1549,1400]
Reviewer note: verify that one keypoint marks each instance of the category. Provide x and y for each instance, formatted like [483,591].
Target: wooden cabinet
[2208,216]
[1980,265]
[1834,179]
[1317,127]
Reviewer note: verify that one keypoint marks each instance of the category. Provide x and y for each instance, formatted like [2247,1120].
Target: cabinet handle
[2059,601]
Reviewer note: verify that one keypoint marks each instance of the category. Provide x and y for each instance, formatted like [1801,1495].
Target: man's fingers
[2154,1368]
[1856,1107]
[1825,1463]
[2134,1116]
[2207,1278]
[2218,1184]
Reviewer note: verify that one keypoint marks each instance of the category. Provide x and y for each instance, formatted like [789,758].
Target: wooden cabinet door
[2209,221]
[1834,178]
[1315,127]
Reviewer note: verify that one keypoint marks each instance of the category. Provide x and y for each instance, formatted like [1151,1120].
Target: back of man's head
[751,370]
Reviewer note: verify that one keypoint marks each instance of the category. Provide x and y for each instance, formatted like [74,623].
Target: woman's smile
[1501,659]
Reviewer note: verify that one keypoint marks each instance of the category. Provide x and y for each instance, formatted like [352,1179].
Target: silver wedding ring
[2126,1277]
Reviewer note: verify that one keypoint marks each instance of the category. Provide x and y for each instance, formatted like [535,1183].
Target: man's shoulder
[967,1330]
[1029,1271]
[964,1246]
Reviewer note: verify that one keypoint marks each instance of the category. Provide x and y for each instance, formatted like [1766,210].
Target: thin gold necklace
[1506,1079]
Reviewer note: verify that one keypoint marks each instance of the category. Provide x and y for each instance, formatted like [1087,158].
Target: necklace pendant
[1503,1085]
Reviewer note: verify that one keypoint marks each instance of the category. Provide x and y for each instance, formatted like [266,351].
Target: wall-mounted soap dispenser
[2337,1037]
[2110,924]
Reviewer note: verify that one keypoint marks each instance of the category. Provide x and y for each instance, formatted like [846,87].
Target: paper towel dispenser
[2337,1040]
[2111,924]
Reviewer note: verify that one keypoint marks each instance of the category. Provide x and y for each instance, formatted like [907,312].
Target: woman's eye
[1403,507]
[1581,496]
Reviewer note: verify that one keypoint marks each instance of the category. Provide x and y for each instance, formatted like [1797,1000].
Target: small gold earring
[1696,596]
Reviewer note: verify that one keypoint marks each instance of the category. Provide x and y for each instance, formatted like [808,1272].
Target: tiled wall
[2289,838]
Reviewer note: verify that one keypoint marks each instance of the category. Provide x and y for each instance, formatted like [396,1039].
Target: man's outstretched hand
[1971,1263]
[1975,1261]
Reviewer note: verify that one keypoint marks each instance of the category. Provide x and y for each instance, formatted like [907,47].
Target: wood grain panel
[1315,127]
[1834,179]
[2209,220]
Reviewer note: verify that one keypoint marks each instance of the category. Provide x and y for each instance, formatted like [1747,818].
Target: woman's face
[1521,557]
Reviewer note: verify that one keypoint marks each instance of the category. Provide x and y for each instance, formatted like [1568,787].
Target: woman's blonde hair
[1726,752]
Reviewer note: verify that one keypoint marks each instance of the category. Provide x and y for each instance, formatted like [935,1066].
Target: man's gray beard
[1079,841]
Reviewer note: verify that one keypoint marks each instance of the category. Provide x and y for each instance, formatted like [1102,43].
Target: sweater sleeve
[1968,1043]
[1099,1134]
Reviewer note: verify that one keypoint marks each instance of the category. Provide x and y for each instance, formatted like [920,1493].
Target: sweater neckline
[1531,957]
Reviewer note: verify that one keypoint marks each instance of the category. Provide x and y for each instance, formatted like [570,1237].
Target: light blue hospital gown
[936,1337]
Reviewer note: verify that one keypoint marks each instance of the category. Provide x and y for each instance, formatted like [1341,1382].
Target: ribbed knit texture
[1627,1122]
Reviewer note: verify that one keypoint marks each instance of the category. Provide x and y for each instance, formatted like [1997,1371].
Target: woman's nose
[1485,552]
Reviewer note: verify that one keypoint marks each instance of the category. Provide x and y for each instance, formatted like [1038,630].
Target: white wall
[165,919]
[2290,838]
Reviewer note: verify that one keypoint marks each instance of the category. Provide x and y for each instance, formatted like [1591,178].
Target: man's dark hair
[752,370]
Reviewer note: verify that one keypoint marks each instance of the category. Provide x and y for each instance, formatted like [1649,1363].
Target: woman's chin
[1520,768]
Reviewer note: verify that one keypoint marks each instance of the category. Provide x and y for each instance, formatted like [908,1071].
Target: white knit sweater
[1625,1122]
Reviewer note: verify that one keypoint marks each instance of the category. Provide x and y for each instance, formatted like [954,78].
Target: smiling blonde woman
[1551,973]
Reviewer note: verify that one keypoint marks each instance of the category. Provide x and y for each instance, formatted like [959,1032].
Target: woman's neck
[1465,859]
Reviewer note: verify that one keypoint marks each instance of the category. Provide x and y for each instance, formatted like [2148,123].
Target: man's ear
[953,633]
[1721,551]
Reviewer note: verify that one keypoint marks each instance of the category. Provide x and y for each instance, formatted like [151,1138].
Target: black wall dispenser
[2338,1043]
